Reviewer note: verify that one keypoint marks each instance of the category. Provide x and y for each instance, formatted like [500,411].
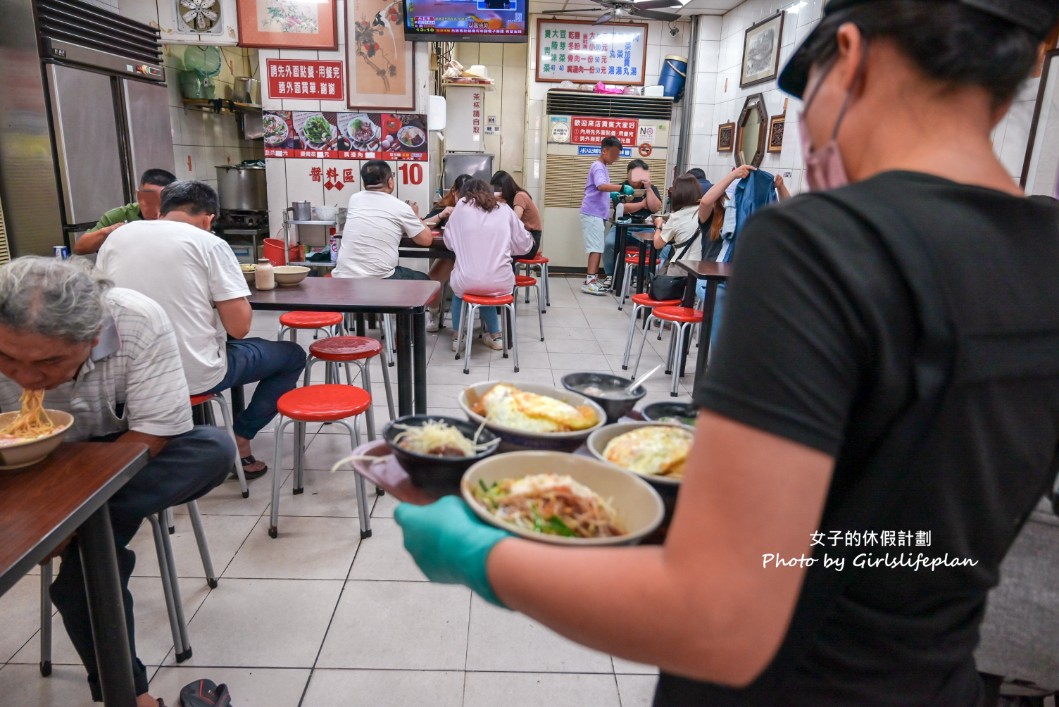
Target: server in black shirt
[878,427]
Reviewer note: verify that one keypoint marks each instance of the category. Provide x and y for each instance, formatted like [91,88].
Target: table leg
[620,236]
[641,265]
[419,363]
[706,330]
[405,345]
[106,610]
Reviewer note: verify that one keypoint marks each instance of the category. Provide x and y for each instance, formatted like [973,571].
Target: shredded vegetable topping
[31,423]
[436,438]
[551,504]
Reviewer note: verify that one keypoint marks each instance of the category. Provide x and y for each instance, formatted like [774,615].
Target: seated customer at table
[522,204]
[484,234]
[194,275]
[152,182]
[109,357]
[442,208]
[638,211]
[684,225]
[376,221]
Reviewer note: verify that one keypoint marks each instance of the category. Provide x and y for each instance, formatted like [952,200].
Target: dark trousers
[187,468]
[276,367]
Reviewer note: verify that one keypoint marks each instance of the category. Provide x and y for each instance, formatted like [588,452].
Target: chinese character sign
[299,78]
[349,136]
[583,52]
[589,130]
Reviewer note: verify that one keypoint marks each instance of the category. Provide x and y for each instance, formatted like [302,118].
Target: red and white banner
[589,130]
[301,78]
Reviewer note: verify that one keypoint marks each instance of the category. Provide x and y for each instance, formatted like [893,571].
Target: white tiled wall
[203,140]
[1012,135]
[506,65]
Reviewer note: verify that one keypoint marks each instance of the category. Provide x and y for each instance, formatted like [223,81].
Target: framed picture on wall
[380,62]
[775,143]
[285,24]
[761,51]
[725,137]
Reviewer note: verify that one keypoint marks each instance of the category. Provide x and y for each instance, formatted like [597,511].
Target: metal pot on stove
[242,187]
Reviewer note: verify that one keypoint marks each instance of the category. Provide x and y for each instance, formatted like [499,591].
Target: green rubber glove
[450,544]
[615,196]
[627,189]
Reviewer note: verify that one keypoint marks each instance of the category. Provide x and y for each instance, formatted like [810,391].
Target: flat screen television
[465,20]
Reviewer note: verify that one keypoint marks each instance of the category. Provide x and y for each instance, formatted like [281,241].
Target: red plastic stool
[328,322]
[358,350]
[683,318]
[205,399]
[531,283]
[471,303]
[640,303]
[318,403]
[541,263]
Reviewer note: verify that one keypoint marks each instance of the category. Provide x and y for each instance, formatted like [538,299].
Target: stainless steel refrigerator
[83,112]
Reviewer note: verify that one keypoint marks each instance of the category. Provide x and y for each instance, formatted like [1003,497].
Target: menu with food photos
[350,136]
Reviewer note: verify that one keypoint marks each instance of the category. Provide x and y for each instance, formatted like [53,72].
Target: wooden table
[437,249]
[42,505]
[714,274]
[405,298]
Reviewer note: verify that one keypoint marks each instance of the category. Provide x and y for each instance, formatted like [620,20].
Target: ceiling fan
[648,10]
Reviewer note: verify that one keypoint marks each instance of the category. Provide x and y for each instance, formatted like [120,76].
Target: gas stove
[231,219]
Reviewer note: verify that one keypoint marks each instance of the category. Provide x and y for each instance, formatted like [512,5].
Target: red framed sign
[300,78]
[589,130]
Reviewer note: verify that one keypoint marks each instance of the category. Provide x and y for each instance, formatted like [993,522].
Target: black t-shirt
[825,358]
[641,215]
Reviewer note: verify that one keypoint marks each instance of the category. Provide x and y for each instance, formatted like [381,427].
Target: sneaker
[494,341]
[455,345]
[608,283]
[592,286]
[433,321]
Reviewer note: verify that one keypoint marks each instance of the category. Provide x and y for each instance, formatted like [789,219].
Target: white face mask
[824,168]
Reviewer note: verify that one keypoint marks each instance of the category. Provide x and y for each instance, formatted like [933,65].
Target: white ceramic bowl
[20,454]
[638,506]
[599,439]
[287,275]
[521,439]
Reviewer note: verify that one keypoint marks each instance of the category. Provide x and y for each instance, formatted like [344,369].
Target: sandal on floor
[259,468]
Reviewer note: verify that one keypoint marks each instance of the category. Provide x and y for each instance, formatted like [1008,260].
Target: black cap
[1038,16]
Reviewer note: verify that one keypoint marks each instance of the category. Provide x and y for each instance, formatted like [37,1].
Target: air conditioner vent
[81,24]
[561,102]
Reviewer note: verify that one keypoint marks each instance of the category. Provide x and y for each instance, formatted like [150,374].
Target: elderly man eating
[109,357]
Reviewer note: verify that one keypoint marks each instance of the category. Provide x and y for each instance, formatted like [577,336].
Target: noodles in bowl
[31,434]
[550,504]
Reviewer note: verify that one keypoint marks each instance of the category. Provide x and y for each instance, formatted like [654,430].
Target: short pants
[593,228]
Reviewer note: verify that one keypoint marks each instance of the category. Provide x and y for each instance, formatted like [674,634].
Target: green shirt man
[146,207]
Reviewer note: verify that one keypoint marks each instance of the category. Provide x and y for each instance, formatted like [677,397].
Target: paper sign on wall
[299,78]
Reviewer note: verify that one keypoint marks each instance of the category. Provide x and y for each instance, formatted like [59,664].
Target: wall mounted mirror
[752,127]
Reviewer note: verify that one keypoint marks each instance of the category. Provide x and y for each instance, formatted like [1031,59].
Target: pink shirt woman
[484,234]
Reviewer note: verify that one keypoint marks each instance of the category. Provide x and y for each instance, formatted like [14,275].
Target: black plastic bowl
[684,413]
[437,473]
[614,406]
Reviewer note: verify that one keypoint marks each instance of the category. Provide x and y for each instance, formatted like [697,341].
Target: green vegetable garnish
[556,526]
[317,130]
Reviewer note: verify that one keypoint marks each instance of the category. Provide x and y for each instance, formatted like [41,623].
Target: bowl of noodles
[530,416]
[562,499]
[31,434]
[436,450]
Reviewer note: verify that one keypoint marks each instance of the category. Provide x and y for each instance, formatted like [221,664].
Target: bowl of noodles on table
[562,499]
[32,433]
[529,416]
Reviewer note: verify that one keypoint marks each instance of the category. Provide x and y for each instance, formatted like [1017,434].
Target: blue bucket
[674,73]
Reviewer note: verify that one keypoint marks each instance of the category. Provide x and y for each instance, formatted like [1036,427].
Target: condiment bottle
[264,275]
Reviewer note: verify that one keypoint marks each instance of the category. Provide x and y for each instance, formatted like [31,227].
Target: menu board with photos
[349,136]
[584,52]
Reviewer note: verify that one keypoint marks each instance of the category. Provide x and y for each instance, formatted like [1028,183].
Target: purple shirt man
[596,202]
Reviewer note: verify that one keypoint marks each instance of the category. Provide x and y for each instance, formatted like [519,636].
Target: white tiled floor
[317,617]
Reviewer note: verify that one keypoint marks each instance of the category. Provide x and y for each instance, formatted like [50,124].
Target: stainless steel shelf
[332,222]
[313,264]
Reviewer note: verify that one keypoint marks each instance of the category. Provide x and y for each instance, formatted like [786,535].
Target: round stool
[293,321]
[358,350]
[471,303]
[530,283]
[205,399]
[318,403]
[683,318]
[640,303]
[541,263]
